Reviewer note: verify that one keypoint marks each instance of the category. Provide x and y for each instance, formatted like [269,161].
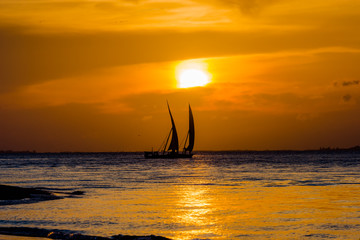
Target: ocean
[214,195]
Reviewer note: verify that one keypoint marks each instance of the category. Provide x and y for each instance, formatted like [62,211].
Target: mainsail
[174,144]
[191,133]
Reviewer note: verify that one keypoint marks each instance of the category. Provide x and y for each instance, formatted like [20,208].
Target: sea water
[214,195]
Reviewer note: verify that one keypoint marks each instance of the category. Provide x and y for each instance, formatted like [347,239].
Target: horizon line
[354,148]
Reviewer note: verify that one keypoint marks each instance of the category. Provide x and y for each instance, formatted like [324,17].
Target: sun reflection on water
[195,205]
[195,211]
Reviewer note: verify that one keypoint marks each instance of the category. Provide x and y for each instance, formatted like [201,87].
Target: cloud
[346,83]
[350,83]
[306,116]
[347,97]
[110,15]
[249,7]
[246,7]
[30,58]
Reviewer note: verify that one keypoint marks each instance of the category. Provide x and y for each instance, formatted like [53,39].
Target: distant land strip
[321,149]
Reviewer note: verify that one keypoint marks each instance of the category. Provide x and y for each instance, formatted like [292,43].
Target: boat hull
[167,155]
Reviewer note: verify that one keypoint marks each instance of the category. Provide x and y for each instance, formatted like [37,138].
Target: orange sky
[81,75]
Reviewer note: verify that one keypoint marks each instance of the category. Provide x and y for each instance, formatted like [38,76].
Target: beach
[11,195]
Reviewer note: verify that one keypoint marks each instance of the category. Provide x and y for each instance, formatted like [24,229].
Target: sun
[190,74]
[192,78]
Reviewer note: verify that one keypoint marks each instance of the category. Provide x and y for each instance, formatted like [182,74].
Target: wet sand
[66,234]
[20,195]
[9,237]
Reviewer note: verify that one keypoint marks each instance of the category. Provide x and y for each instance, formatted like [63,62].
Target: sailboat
[172,151]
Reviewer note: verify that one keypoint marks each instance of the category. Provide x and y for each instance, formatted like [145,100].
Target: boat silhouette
[172,151]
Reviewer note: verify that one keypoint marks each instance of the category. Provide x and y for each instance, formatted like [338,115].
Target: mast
[191,132]
[174,144]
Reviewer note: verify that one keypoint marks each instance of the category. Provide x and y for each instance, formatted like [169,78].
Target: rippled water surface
[215,195]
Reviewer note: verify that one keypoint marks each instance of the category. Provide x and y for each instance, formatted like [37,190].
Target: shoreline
[68,235]
[11,195]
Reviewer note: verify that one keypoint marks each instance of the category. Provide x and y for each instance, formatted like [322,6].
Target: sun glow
[192,74]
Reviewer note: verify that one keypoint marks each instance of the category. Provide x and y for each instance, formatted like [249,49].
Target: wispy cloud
[350,83]
[247,7]
[347,97]
[111,15]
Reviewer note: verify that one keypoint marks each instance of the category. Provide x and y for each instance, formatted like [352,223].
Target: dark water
[215,195]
